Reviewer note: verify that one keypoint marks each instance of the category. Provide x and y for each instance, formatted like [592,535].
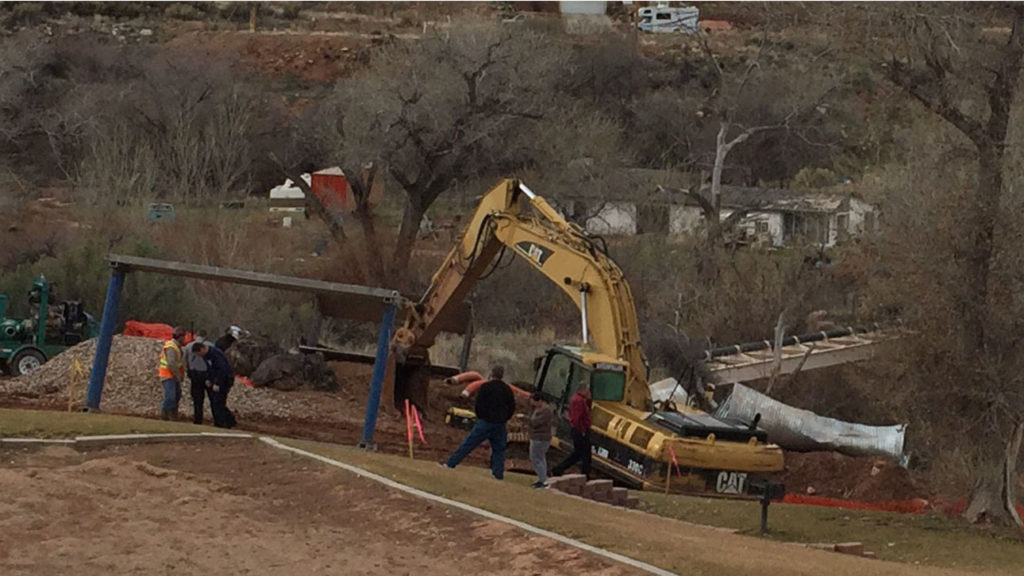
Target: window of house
[762,227]
[870,222]
[792,225]
[810,227]
[843,223]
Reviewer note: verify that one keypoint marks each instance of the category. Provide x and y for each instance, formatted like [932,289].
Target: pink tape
[419,424]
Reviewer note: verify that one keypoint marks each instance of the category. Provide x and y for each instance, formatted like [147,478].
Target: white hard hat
[236,332]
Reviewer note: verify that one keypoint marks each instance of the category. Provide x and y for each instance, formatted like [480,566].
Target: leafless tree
[970,78]
[450,108]
[729,101]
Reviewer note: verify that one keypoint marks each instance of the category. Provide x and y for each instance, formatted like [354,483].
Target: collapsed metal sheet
[804,431]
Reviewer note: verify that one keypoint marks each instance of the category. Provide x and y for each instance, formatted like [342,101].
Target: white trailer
[668,19]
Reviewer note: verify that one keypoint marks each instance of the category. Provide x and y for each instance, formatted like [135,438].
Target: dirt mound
[837,476]
[132,388]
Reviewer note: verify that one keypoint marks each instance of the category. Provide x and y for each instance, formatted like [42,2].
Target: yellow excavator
[681,450]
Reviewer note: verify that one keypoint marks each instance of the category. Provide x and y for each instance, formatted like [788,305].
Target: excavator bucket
[411,381]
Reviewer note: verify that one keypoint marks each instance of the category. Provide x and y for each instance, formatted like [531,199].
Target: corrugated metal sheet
[804,431]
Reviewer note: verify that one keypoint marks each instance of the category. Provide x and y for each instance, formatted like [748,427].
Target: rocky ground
[132,388]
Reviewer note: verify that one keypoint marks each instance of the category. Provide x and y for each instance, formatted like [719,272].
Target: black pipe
[790,340]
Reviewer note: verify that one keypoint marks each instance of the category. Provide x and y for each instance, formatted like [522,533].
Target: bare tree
[448,109]
[228,138]
[950,66]
[728,102]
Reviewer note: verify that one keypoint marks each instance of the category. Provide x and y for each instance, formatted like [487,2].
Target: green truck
[53,327]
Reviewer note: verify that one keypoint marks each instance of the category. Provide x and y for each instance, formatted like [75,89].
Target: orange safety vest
[165,372]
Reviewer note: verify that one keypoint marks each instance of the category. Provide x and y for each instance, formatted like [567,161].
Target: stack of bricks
[597,490]
[568,483]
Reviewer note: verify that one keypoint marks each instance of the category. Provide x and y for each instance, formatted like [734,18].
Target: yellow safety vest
[165,372]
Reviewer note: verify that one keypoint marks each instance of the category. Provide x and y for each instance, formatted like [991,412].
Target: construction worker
[172,373]
[495,406]
[219,379]
[231,335]
[541,420]
[195,368]
[579,419]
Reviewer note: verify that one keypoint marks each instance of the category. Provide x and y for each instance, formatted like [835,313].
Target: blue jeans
[172,395]
[495,434]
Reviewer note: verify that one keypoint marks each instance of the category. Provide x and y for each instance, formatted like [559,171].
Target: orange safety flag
[672,453]
[419,424]
[408,425]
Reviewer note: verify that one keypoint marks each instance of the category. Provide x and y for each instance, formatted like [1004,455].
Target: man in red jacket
[579,419]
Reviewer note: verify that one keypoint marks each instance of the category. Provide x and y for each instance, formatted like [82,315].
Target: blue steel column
[380,363]
[103,341]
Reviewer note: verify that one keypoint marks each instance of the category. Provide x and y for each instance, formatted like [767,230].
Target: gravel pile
[132,386]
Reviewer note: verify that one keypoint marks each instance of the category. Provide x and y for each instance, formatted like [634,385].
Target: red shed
[331,187]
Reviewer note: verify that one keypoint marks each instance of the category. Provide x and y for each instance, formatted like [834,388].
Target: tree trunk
[993,498]
[979,259]
[721,151]
[411,218]
[361,188]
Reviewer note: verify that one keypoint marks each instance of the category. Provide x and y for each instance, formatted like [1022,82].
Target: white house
[777,217]
[774,217]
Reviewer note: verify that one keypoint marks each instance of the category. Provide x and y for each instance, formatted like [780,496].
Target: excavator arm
[511,217]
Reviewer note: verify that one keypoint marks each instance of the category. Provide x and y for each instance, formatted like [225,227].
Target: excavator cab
[565,369]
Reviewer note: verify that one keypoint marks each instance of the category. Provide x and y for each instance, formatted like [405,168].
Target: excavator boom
[560,250]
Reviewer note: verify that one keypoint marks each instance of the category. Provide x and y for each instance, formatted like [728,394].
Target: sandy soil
[242,509]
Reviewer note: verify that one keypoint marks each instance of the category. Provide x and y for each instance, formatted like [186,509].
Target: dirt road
[242,509]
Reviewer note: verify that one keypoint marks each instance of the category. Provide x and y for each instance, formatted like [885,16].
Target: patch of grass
[678,546]
[925,539]
[50,424]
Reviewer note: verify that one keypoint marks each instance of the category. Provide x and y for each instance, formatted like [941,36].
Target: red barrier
[915,506]
[155,331]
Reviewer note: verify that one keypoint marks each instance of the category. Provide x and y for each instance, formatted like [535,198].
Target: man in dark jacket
[579,419]
[495,406]
[195,368]
[219,379]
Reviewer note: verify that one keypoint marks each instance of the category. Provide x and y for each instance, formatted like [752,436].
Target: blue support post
[103,341]
[380,363]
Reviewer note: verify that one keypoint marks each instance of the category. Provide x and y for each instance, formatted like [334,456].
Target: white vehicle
[667,19]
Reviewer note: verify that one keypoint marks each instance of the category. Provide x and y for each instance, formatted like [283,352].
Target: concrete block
[869,554]
[823,546]
[619,496]
[597,488]
[851,548]
[575,479]
[567,481]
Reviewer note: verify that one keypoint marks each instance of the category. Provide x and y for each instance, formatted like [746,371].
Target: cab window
[608,385]
[556,376]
